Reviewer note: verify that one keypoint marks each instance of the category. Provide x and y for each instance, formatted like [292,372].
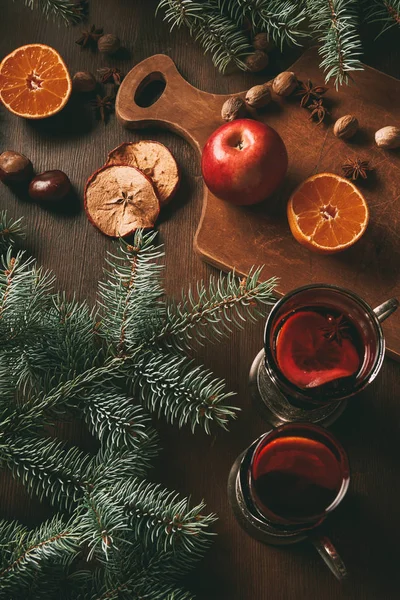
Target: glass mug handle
[330,556]
[383,311]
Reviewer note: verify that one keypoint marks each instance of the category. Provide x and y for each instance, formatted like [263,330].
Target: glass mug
[286,483]
[322,345]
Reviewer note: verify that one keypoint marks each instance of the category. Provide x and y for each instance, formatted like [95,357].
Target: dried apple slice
[155,160]
[120,199]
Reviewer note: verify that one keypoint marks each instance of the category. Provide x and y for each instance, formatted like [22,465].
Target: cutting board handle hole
[150,89]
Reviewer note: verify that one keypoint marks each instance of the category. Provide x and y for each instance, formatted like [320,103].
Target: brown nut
[388,137]
[258,96]
[285,83]
[109,43]
[345,127]
[262,42]
[233,108]
[15,167]
[50,186]
[257,61]
[83,81]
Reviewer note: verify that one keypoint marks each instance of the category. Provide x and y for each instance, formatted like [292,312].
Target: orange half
[34,81]
[327,213]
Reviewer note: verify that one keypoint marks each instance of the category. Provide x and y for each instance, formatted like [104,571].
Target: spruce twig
[69,12]
[111,364]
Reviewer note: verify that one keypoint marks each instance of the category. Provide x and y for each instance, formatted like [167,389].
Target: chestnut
[50,186]
[15,167]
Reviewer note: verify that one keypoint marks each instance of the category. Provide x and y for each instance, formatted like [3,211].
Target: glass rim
[271,366]
[344,462]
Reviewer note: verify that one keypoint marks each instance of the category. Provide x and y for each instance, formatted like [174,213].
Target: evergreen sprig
[10,230]
[226,27]
[215,31]
[384,12]
[69,12]
[335,25]
[112,365]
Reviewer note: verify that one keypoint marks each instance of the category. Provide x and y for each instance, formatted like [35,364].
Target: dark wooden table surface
[367,526]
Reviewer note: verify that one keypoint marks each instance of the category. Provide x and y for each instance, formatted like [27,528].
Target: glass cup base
[276,409]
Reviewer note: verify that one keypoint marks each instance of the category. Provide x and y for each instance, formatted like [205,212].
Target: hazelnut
[285,83]
[15,167]
[109,43]
[388,137]
[262,42]
[50,186]
[345,127]
[233,108]
[257,61]
[83,81]
[258,96]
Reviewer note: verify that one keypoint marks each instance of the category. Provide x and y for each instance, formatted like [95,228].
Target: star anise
[318,110]
[90,37]
[353,169]
[336,330]
[110,74]
[309,92]
[103,106]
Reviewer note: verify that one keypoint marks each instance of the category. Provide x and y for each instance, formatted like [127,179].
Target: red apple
[244,162]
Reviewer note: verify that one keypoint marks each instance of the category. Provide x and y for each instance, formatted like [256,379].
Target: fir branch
[102,524]
[27,555]
[216,32]
[46,468]
[24,297]
[10,230]
[109,466]
[282,20]
[212,312]
[160,520]
[117,422]
[170,386]
[335,24]
[69,12]
[129,297]
[384,12]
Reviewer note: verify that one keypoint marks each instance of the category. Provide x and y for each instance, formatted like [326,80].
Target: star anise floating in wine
[110,74]
[336,330]
[308,92]
[90,37]
[103,106]
[353,169]
[318,110]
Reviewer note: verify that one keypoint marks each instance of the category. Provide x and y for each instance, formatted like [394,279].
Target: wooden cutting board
[239,237]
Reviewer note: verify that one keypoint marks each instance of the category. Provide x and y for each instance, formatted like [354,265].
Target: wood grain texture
[237,567]
[235,237]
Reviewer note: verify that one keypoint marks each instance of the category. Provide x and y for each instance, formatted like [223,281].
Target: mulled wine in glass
[286,483]
[322,345]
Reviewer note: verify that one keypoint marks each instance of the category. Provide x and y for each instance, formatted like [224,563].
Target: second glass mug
[347,343]
[286,483]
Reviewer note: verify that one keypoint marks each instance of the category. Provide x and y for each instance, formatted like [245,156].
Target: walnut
[83,81]
[258,96]
[109,43]
[345,127]
[257,61]
[233,108]
[285,83]
[262,42]
[388,137]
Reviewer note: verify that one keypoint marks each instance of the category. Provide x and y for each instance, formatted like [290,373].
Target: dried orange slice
[327,213]
[120,199]
[34,81]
